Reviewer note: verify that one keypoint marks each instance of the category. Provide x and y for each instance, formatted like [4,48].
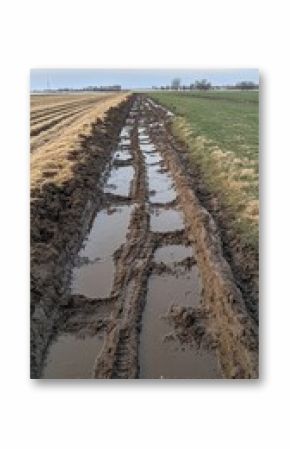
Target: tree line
[204,84]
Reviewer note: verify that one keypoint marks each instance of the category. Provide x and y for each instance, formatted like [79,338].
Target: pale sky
[134,78]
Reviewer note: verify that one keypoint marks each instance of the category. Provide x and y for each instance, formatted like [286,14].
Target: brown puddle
[146,146]
[122,155]
[94,275]
[152,158]
[72,357]
[119,182]
[161,354]
[160,184]
[125,132]
[166,220]
[161,188]
[125,142]
[142,131]
[171,254]
[73,352]
[94,280]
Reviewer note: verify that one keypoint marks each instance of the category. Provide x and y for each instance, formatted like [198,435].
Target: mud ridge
[119,356]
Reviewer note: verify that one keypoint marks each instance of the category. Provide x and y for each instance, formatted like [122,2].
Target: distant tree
[175,83]
[246,85]
[202,84]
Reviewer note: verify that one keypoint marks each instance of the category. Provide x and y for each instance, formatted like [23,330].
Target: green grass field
[221,130]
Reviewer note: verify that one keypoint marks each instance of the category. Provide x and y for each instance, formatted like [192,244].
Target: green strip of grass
[221,130]
[231,119]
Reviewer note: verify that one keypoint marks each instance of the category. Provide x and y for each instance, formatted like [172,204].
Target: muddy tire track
[236,332]
[60,218]
[173,309]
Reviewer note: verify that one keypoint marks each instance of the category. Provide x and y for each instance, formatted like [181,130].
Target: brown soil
[61,217]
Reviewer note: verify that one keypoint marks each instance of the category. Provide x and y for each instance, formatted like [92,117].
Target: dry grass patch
[52,159]
[235,180]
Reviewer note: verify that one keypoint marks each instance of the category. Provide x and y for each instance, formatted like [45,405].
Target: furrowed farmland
[144,235]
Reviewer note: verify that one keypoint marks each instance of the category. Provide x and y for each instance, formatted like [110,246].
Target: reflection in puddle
[125,132]
[161,189]
[125,142]
[94,280]
[94,277]
[152,158]
[119,181]
[147,147]
[162,220]
[72,357]
[122,155]
[171,254]
[144,141]
[161,186]
[161,358]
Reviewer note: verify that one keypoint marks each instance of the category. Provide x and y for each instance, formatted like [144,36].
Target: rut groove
[167,216]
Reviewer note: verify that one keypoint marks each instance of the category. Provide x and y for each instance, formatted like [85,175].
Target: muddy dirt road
[150,294]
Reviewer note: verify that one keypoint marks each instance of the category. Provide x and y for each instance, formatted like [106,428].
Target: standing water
[74,350]
[174,279]
[161,355]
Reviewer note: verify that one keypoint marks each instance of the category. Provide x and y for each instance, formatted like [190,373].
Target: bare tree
[175,83]
[202,84]
[246,85]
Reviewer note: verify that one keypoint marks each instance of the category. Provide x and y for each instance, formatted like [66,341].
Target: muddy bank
[60,217]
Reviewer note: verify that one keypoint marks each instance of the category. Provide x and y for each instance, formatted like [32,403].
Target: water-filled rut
[136,308]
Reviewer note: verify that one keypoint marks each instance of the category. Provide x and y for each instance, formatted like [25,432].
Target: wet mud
[146,292]
[162,354]
[94,274]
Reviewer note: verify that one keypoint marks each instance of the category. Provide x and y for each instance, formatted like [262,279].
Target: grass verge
[221,131]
